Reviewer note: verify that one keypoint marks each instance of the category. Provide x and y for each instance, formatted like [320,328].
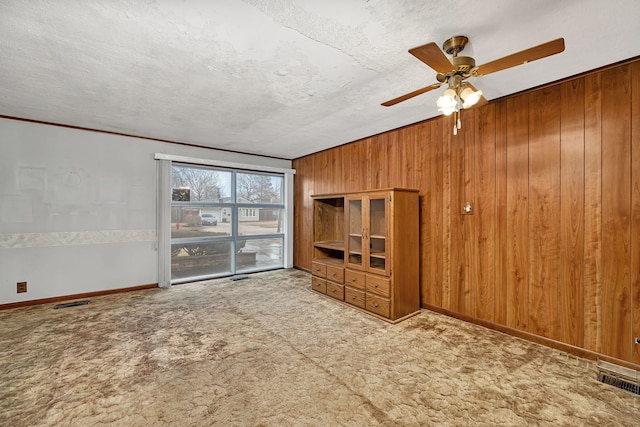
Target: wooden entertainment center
[366,251]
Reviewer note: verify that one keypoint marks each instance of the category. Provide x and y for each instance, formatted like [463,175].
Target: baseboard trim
[75,296]
[567,348]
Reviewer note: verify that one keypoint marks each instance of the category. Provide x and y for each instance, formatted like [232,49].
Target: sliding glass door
[224,222]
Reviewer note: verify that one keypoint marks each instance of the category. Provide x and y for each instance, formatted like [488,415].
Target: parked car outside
[209,219]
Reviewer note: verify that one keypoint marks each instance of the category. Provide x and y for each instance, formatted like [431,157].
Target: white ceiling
[282,78]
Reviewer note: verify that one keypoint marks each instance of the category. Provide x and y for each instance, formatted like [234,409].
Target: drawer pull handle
[375,286]
[375,305]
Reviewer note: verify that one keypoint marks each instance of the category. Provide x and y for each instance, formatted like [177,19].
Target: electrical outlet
[21,287]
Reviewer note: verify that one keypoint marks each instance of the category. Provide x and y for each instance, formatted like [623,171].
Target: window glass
[200,259]
[259,254]
[200,221]
[199,184]
[256,221]
[259,188]
[224,221]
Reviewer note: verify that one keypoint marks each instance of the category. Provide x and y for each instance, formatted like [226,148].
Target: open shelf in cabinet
[328,219]
[337,245]
[328,229]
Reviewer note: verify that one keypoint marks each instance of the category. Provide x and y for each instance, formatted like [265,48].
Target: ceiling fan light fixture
[470,97]
[448,102]
[451,93]
[447,111]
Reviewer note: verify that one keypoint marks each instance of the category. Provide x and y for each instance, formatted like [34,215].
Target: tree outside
[204,184]
[258,188]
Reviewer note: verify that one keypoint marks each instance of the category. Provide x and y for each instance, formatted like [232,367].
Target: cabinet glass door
[355,231]
[377,233]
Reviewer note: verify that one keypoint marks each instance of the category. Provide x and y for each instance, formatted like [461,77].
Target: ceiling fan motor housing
[463,64]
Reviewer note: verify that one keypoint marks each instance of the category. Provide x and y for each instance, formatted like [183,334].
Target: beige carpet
[268,351]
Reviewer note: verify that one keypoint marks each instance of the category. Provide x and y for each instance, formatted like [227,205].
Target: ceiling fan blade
[411,94]
[431,55]
[522,57]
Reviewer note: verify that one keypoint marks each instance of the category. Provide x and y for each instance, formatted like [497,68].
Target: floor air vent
[619,376]
[72,304]
[619,382]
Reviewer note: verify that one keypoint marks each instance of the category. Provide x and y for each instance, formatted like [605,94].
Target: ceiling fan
[455,72]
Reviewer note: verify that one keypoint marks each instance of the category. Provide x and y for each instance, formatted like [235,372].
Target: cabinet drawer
[354,279]
[377,305]
[318,269]
[319,285]
[354,297]
[378,285]
[335,290]
[335,274]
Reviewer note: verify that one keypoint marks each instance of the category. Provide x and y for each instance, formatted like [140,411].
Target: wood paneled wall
[552,247]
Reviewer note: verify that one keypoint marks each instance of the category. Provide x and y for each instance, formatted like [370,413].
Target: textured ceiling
[282,78]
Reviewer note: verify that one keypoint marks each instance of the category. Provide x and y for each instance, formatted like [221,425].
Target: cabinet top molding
[376,190]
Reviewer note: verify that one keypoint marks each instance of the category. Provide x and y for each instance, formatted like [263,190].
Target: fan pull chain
[455,127]
[457,124]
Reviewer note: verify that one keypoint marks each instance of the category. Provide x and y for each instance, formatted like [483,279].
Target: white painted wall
[78,209]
